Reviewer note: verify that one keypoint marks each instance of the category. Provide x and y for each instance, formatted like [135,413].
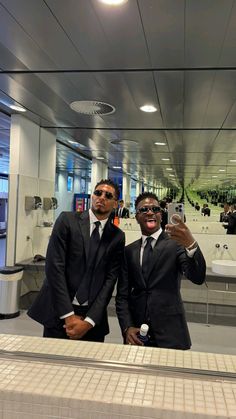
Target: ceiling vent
[90,107]
[124,142]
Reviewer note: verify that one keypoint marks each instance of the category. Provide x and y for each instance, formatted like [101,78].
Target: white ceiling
[178,55]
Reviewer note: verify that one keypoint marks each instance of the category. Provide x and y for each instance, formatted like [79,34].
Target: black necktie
[82,294]
[147,254]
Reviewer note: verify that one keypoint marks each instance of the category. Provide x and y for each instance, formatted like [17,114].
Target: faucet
[217,245]
[225,246]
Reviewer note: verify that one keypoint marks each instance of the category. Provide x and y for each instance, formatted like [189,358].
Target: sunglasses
[144,210]
[108,195]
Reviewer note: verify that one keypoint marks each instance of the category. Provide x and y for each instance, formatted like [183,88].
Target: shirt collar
[93,219]
[154,235]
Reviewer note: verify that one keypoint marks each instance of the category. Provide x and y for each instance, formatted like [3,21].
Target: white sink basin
[224,267]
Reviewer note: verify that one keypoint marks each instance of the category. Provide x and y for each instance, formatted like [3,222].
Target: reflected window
[70,183]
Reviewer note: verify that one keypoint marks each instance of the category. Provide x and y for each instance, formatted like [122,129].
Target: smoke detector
[90,107]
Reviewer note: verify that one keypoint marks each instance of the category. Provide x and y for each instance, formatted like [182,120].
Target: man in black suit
[231,225]
[122,212]
[84,256]
[149,287]
[225,214]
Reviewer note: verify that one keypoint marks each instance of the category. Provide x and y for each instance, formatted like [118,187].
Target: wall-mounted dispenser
[32,203]
[50,203]
[54,202]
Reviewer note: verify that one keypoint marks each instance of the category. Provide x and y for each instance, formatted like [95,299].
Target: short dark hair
[110,183]
[163,204]
[145,195]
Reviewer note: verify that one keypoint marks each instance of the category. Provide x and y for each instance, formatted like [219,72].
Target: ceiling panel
[175,55]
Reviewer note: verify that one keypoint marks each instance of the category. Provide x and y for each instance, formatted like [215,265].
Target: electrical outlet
[27,238]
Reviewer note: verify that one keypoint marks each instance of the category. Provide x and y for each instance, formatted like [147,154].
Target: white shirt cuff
[67,315]
[190,253]
[87,319]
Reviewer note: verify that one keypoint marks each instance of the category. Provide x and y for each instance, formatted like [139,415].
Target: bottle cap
[144,329]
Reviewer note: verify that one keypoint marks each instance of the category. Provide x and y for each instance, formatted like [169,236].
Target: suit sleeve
[96,311]
[55,266]
[231,222]
[122,298]
[193,268]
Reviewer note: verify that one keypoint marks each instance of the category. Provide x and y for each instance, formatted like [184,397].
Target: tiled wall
[206,242]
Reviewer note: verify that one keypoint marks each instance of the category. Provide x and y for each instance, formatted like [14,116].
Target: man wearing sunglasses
[149,288]
[84,256]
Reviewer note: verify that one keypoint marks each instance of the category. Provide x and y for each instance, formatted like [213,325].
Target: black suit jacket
[231,228]
[66,261]
[224,216]
[125,212]
[158,302]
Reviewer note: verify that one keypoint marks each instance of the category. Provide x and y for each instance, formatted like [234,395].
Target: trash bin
[10,285]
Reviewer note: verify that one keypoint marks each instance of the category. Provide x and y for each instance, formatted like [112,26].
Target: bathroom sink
[224,267]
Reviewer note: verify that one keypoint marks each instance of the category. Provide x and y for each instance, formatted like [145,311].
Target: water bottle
[143,334]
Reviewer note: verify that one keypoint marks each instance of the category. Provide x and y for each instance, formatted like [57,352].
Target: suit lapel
[85,230]
[136,257]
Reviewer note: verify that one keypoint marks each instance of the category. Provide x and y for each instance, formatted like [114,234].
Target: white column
[126,185]
[99,171]
[138,188]
[31,173]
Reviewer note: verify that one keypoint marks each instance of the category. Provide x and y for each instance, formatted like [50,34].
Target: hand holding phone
[176,209]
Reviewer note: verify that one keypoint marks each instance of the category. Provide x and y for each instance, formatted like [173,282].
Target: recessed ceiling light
[221,170]
[165,159]
[214,176]
[171,175]
[157,143]
[17,108]
[113,2]
[116,167]
[232,161]
[169,168]
[100,158]
[148,108]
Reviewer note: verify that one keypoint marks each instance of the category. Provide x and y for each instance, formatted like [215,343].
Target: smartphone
[173,209]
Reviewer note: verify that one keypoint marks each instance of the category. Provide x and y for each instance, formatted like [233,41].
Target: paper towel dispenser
[50,203]
[33,203]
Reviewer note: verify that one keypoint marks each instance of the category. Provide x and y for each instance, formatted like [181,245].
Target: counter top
[30,265]
[78,379]
[214,277]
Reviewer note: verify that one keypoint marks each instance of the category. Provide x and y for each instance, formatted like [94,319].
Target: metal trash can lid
[6,270]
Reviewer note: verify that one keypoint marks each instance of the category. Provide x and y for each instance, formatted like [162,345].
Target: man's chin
[151,230]
[100,211]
